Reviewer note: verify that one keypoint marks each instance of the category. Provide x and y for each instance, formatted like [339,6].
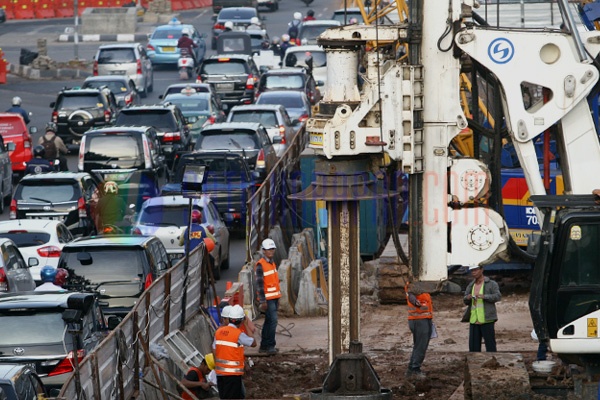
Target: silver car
[15,275]
[166,217]
[126,59]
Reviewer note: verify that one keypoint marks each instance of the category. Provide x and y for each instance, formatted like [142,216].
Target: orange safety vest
[184,394]
[423,312]
[229,354]
[271,278]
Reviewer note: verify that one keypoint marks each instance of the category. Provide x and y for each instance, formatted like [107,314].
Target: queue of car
[236,120]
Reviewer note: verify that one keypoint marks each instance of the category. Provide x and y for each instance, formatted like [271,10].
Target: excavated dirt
[388,343]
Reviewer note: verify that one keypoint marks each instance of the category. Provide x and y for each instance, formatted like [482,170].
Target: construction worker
[268,294]
[196,379]
[229,355]
[420,315]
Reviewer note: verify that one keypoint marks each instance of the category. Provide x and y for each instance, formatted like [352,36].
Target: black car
[36,329]
[239,16]
[250,139]
[298,79]
[118,267]
[234,77]
[70,197]
[171,126]
[75,111]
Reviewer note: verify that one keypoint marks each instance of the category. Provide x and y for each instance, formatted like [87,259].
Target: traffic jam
[100,182]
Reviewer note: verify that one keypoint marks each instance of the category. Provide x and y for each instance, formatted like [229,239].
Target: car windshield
[23,238]
[116,56]
[232,141]
[160,215]
[284,82]
[311,32]
[47,192]
[189,104]
[31,327]
[234,14]
[319,58]
[112,148]
[267,118]
[108,264]
[225,67]
[117,87]
[286,101]
[160,119]
[166,34]
[78,101]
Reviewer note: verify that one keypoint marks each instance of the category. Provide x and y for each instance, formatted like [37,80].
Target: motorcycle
[185,64]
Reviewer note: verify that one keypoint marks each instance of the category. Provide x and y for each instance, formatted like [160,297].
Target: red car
[17,140]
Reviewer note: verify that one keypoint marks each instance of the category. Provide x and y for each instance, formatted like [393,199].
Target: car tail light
[3,281]
[148,281]
[250,82]
[172,137]
[95,68]
[81,154]
[136,231]
[303,118]
[147,158]
[81,208]
[49,251]
[139,67]
[13,209]
[27,144]
[55,116]
[219,27]
[150,47]
[107,115]
[209,121]
[260,159]
[66,364]
[128,99]
[211,229]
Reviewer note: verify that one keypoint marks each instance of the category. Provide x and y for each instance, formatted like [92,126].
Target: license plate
[117,72]
[225,86]
[115,177]
[169,49]
[316,139]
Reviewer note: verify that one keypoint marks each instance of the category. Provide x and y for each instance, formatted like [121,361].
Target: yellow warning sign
[592,327]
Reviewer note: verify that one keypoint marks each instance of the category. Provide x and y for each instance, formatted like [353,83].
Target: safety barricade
[197,3]
[7,5]
[3,67]
[64,9]
[82,5]
[44,9]
[177,5]
[23,9]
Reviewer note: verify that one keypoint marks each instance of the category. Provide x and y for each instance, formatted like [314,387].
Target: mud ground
[388,344]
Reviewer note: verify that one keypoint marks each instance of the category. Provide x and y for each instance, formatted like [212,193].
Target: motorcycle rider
[275,47]
[54,146]
[254,24]
[16,108]
[111,207]
[294,26]
[285,44]
[38,164]
[310,15]
[186,44]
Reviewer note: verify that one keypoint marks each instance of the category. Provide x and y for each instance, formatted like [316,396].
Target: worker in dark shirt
[187,45]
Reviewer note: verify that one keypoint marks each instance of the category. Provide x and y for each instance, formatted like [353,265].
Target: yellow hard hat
[209,359]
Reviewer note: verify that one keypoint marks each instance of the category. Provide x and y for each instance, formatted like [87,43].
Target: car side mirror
[52,104]
[121,103]
[148,35]
[10,146]
[32,261]
[263,69]
[255,175]
[277,139]
[295,121]
[112,322]
[320,83]
[33,130]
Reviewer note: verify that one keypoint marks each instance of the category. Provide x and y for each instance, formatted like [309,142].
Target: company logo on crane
[501,51]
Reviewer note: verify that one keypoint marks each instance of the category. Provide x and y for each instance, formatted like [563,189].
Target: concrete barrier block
[200,333]
[288,295]
[299,242]
[108,20]
[246,277]
[311,241]
[313,295]
[281,253]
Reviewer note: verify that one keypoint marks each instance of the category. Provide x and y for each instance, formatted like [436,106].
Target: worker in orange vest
[229,355]
[420,322]
[196,379]
[268,294]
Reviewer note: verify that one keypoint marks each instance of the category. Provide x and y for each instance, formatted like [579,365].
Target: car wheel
[225,263]
[6,200]
[216,273]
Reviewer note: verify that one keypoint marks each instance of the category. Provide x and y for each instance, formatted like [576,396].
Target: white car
[319,58]
[166,217]
[42,239]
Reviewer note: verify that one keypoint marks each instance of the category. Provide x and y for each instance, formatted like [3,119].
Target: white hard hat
[226,311]
[298,15]
[285,37]
[268,244]
[229,25]
[16,101]
[254,21]
[472,267]
[237,312]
